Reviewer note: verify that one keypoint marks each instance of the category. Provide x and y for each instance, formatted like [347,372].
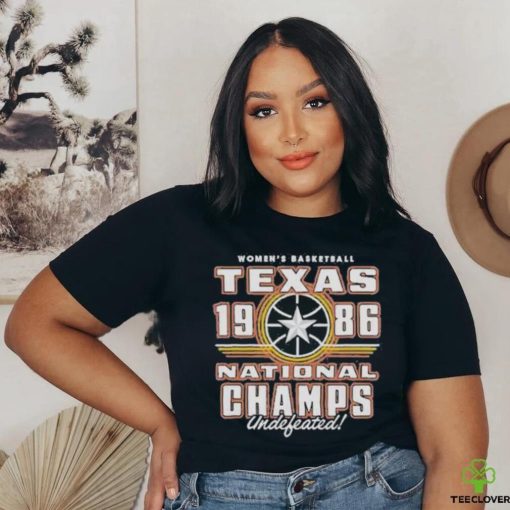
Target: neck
[325,202]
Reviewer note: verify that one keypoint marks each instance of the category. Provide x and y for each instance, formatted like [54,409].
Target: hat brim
[472,229]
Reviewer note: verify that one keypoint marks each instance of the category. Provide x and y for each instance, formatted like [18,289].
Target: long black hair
[364,174]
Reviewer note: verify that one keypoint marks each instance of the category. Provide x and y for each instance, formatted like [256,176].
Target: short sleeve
[440,331]
[117,269]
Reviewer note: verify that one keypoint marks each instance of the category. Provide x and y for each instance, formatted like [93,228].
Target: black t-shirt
[290,340]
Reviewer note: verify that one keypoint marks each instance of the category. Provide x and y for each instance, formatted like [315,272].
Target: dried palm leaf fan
[79,459]
[3,457]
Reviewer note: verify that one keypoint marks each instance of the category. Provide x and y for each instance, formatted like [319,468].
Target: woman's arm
[58,338]
[450,420]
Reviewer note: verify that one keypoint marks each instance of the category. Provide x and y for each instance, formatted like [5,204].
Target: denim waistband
[293,486]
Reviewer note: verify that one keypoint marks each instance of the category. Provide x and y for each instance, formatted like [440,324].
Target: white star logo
[297,326]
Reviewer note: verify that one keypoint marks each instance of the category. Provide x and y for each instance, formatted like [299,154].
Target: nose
[293,130]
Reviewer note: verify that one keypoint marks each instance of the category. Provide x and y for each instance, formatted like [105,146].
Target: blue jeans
[382,477]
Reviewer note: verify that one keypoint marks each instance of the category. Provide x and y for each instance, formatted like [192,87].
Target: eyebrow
[269,95]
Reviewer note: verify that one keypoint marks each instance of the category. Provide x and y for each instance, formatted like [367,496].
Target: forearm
[444,480]
[82,366]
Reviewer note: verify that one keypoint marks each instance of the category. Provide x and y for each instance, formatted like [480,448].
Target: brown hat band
[479,184]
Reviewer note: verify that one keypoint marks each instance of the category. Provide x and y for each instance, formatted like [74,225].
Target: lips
[298,160]
[298,155]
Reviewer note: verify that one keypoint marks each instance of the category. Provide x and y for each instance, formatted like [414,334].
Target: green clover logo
[478,471]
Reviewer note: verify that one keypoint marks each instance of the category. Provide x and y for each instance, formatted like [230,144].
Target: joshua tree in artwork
[20,61]
[68,130]
[115,148]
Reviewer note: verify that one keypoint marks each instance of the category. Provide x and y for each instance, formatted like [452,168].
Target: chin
[301,187]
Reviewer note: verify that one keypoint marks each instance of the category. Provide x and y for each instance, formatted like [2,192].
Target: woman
[320,346]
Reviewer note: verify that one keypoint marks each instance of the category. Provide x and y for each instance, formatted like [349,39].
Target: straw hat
[478,191]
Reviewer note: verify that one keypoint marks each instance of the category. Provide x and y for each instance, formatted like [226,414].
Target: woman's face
[283,106]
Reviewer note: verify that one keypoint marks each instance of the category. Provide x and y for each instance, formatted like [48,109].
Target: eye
[320,100]
[255,113]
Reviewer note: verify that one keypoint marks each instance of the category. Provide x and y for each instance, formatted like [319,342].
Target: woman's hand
[163,475]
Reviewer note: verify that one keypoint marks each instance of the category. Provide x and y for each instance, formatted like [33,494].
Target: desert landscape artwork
[68,127]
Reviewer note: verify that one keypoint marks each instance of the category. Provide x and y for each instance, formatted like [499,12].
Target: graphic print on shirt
[291,339]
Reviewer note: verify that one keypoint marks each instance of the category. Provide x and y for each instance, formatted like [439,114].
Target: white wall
[434,67]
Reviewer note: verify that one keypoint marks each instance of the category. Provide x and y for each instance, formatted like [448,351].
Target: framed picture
[68,127]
